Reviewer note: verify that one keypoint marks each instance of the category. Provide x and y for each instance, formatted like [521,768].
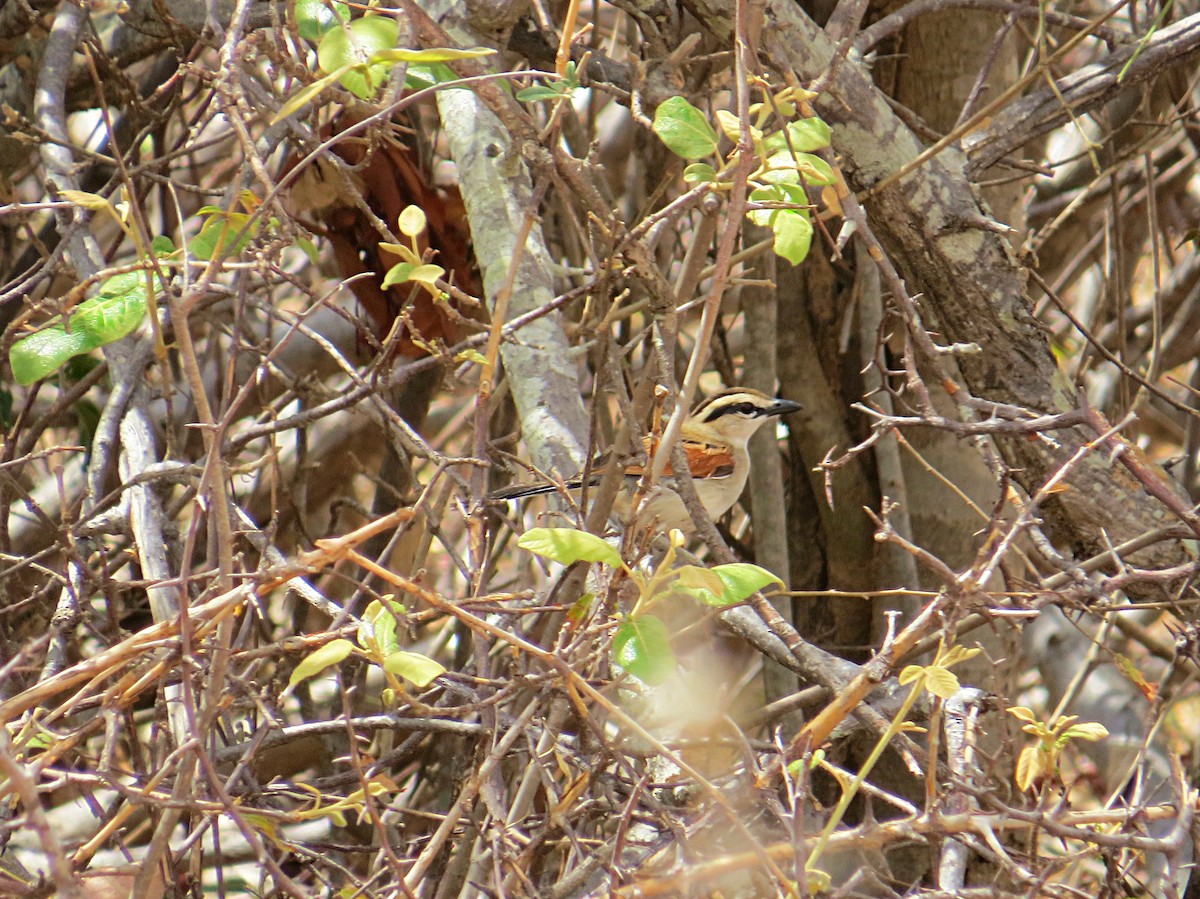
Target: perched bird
[713,438]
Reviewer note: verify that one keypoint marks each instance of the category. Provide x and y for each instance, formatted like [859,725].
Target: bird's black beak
[782,407]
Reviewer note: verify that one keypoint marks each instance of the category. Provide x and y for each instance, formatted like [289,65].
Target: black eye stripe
[733,408]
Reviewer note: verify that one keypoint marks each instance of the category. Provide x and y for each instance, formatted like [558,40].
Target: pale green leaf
[412,221]
[698,172]
[699,578]
[354,45]
[398,274]
[742,580]
[412,666]
[568,546]
[684,129]
[814,169]
[537,92]
[94,202]
[307,94]
[436,54]
[1024,714]
[793,234]
[427,274]
[941,682]
[1090,731]
[315,17]
[1030,766]
[315,662]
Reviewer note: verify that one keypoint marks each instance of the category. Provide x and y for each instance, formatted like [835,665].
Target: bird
[714,440]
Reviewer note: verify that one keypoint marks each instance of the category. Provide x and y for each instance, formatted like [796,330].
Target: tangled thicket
[284,302]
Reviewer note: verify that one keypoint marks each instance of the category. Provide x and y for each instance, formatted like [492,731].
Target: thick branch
[938,235]
[1081,91]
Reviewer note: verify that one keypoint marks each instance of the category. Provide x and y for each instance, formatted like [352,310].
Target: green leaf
[770,194]
[398,274]
[803,136]
[162,246]
[436,54]
[684,129]
[118,309]
[941,682]
[89,201]
[412,666]
[642,646]
[815,169]
[308,94]
[793,234]
[427,274]
[315,17]
[418,77]
[218,233]
[40,354]
[470,355]
[568,546]
[742,580]
[537,92]
[724,585]
[699,171]
[308,248]
[379,622]
[1089,730]
[354,45]
[695,577]
[314,663]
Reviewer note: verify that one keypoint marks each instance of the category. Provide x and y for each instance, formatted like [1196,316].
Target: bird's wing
[705,460]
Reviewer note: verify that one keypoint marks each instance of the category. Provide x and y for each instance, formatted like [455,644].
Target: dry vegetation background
[983,515]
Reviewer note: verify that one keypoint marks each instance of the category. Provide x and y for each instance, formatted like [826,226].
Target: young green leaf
[803,136]
[315,662]
[724,585]
[118,309]
[426,57]
[398,274]
[420,76]
[412,666]
[642,646]
[941,682]
[742,580]
[696,577]
[315,17]
[43,352]
[793,234]
[538,92]
[768,194]
[699,171]
[814,169]
[684,129]
[219,232]
[411,221]
[470,355]
[308,94]
[354,45]
[568,546]
[427,274]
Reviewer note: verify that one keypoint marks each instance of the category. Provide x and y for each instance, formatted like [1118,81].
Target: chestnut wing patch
[706,460]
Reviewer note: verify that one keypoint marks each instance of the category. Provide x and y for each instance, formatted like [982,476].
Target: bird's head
[734,415]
